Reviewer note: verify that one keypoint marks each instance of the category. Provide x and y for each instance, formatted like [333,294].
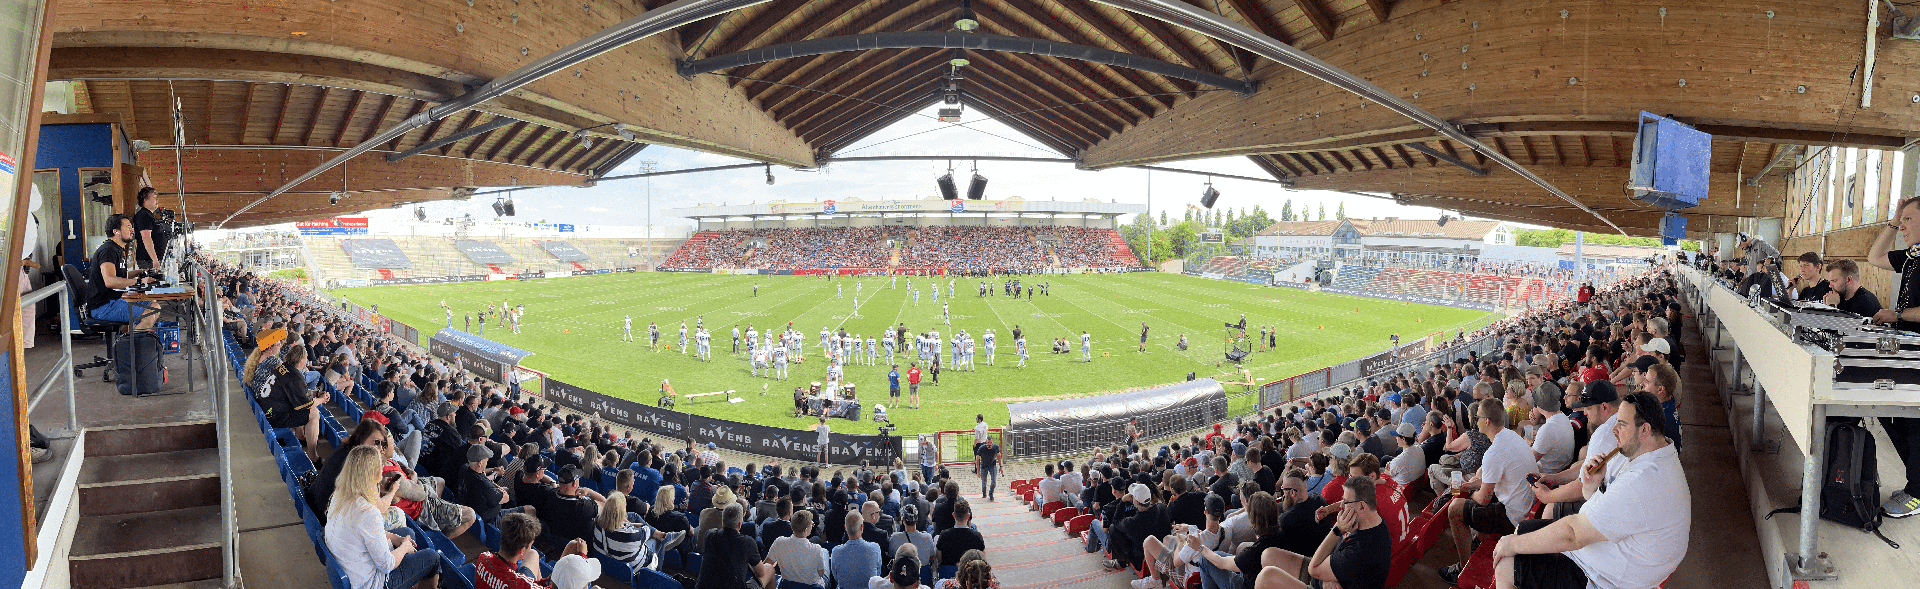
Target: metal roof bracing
[1552,86]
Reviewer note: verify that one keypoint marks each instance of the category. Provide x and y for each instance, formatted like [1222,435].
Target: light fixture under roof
[966,24]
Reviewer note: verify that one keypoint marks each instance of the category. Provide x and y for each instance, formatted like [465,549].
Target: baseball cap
[1340,451]
[445,410]
[1595,393]
[1658,344]
[712,446]
[567,474]
[1645,362]
[270,337]
[376,417]
[1140,492]
[574,572]
[1536,370]
[1406,430]
[1393,398]
[479,453]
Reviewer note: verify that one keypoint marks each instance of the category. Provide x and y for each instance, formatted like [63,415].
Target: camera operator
[147,230]
[106,274]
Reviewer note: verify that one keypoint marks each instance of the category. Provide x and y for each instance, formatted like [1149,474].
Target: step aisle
[1028,552]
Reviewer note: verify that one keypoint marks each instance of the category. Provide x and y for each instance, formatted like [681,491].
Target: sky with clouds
[625,202]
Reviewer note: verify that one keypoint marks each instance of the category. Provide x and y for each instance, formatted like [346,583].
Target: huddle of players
[702,339]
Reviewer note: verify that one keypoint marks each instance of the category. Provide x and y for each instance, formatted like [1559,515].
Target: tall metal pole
[647,167]
[1150,219]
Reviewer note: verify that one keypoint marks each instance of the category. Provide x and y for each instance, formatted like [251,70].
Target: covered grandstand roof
[1013,206]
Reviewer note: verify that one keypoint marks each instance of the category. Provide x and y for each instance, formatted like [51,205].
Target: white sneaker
[1146,583]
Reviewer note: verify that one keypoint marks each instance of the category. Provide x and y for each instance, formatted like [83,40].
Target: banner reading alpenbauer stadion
[1060,426]
[483,356]
[779,443]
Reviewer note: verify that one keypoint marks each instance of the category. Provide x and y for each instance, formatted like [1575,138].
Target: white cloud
[598,210]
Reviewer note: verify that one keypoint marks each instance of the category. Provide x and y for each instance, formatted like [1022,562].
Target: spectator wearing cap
[711,456]
[910,533]
[1564,491]
[444,448]
[1410,463]
[569,513]
[1339,461]
[1368,442]
[475,487]
[1632,533]
[575,570]
[1151,519]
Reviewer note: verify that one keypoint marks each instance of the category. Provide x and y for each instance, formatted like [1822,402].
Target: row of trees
[1557,237]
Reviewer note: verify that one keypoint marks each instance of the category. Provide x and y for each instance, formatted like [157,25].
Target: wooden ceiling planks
[1064,73]
[774,82]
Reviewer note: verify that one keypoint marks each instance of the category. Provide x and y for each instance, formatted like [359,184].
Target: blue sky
[624,202]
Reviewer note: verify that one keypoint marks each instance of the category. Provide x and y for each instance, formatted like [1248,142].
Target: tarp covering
[565,252]
[1066,426]
[487,358]
[483,252]
[793,445]
[375,254]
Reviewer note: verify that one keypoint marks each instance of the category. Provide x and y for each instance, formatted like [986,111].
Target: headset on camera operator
[110,274]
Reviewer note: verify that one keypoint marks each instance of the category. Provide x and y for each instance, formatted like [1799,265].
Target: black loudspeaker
[1207,198]
[509,208]
[947,189]
[1235,355]
[977,188]
[499,209]
[1443,220]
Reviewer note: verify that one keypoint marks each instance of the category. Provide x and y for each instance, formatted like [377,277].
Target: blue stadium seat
[489,535]
[785,584]
[442,543]
[336,576]
[614,568]
[450,570]
[652,579]
[947,571]
[926,575]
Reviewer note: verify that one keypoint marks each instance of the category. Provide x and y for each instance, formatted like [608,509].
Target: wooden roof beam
[379,120]
[1174,43]
[1380,10]
[346,117]
[770,95]
[1119,79]
[279,119]
[1018,101]
[246,115]
[886,72]
[756,25]
[885,98]
[418,107]
[1317,15]
[994,102]
[501,140]
[1303,164]
[1282,161]
[526,142]
[319,106]
[1084,115]
[1239,58]
[1087,13]
[558,136]
[799,31]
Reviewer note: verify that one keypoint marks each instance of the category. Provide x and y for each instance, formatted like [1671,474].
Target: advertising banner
[333,226]
[424,280]
[564,251]
[779,443]
[375,254]
[485,357]
[483,252]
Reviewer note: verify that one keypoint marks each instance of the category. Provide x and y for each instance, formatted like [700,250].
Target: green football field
[573,326]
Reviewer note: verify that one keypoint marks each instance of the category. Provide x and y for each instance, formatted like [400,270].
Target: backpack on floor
[1850,489]
[136,363]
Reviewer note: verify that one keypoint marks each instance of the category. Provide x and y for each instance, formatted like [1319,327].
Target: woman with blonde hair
[266,351]
[371,557]
[627,541]
[975,573]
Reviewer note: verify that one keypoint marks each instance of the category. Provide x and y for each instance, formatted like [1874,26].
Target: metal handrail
[65,363]
[213,349]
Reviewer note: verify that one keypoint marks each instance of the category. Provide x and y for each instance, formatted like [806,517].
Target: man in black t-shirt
[1845,293]
[1356,553]
[110,273]
[1905,315]
[570,513]
[149,240]
[960,538]
[987,461]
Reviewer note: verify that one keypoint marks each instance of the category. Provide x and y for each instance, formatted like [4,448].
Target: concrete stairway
[149,508]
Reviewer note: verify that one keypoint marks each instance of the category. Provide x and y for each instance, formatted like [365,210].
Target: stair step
[145,549]
[148,439]
[108,470]
[200,584]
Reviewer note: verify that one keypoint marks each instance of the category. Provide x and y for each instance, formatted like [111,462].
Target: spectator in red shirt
[913,384]
[517,565]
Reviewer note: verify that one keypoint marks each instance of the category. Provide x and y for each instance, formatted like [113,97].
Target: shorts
[439,514]
[1546,571]
[1488,519]
[893,392]
[914,388]
[116,310]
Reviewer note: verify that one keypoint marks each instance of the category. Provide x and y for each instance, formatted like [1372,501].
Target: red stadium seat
[1051,506]
[1478,574]
[1079,524]
[1061,515]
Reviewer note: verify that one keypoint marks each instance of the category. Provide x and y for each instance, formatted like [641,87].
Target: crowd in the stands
[970,249]
[436,451]
[1516,451]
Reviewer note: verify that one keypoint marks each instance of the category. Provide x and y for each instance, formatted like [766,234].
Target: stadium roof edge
[911,207]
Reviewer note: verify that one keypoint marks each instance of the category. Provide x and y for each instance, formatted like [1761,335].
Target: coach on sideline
[1631,533]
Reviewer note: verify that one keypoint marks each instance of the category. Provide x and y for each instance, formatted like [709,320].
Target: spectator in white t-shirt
[1502,476]
[1411,463]
[1633,531]
[1563,491]
[1553,440]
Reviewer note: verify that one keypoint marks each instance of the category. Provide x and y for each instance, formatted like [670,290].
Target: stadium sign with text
[1213,237]
[896,206]
[333,226]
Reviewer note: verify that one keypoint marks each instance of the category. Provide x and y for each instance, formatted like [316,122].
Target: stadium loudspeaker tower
[1443,220]
[1208,197]
[977,188]
[509,207]
[499,208]
[947,189]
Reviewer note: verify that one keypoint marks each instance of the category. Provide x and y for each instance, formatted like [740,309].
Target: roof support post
[639,27]
[1184,15]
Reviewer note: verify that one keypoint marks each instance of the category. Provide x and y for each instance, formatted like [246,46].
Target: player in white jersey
[824,344]
[987,341]
[916,294]
[1086,347]
[896,281]
[753,338]
[780,362]
[758,358]
[966,349]
[627,330]
[949,288]
[836,290]
[705,346]
[887,344]
[517,312]
[1020,347]
[683,337]
[653,336]
[872,358]
[936,290]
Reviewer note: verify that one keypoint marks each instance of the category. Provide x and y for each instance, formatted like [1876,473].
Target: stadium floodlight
[626,134]
[947,189]
[336,197]
[508,206]
[586,140]
[420,213]
[1443,219]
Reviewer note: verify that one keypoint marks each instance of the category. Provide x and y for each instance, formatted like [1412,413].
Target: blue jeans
[117,310]
[926,472]
[415,567]
[1212,577]
[1099,536]
[989,478]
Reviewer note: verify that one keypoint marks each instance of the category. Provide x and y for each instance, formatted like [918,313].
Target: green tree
[1163,219]
[1555,238]
[1188,215]
[1323,211]
[1341,213]
[1286,210]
